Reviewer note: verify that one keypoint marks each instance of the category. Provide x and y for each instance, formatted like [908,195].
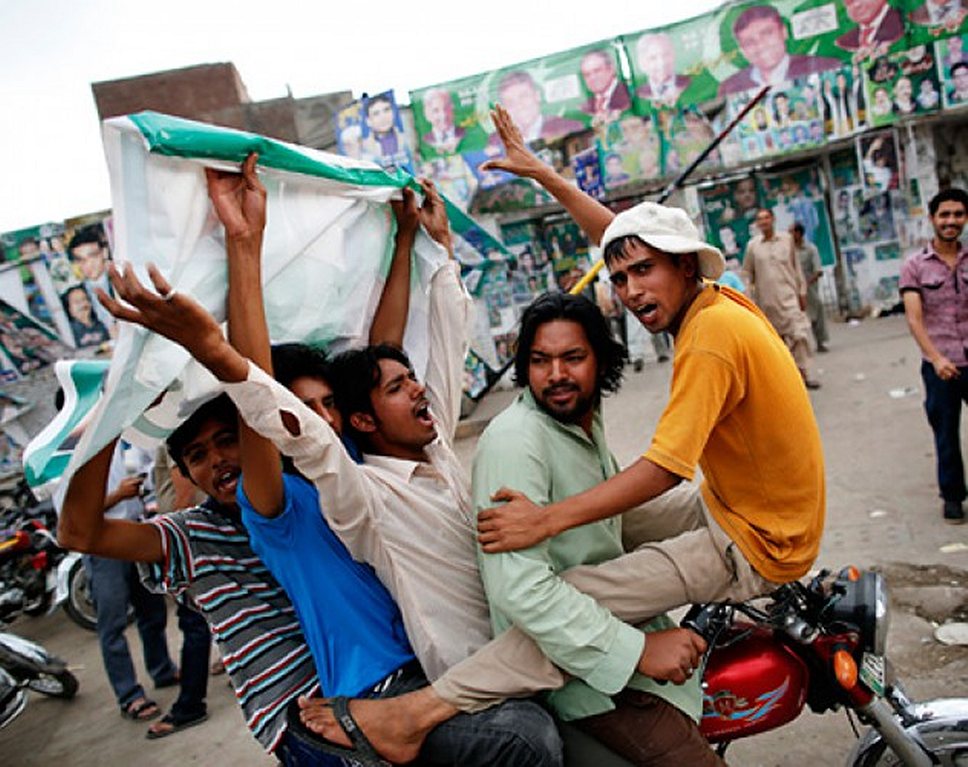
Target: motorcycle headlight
[864,604]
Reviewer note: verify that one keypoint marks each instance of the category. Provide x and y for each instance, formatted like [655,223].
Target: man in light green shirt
[550,444]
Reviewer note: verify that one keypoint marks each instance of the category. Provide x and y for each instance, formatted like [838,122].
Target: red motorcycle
[820,644]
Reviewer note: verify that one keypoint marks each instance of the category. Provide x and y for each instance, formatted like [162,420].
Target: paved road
[882,508]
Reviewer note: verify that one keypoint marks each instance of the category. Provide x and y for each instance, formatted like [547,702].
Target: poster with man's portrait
[30,248]
[629,151]
[547,99]
[788,119]
[952,59]
[879,159]
[26,344]
[934,19]
[796,197]
[729,210]
[843,99]
[902,85]
[88,246]
[373,129]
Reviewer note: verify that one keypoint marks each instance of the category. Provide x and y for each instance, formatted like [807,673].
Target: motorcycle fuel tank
[752,683]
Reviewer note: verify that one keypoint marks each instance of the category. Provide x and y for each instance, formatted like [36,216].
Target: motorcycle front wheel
[943,730]
[79,605]
[63,684]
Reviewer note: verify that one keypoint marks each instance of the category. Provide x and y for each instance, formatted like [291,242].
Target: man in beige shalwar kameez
[773,274]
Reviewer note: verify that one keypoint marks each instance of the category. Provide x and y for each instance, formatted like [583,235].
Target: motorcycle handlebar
[700,619]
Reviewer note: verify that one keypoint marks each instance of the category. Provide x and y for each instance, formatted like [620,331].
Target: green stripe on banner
[178,137]
[47,456]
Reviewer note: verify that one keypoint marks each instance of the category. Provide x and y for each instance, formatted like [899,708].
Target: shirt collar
[401,467]
[404,467]
[930,252]
[707,295]
[598,427]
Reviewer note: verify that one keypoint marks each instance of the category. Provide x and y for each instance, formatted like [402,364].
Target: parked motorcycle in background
[33,668]
[821,644]
[36,575]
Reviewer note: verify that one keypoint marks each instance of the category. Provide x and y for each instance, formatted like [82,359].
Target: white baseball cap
[666,229]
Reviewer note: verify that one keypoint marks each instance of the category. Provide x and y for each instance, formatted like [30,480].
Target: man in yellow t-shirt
[737,407]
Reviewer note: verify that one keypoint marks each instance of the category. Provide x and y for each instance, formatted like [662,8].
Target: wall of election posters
[613,115]
[59,267]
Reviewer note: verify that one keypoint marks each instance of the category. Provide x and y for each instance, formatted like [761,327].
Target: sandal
[169,725]
[362,752]
[141,710]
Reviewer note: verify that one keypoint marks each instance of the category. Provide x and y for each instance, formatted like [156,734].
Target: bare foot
[396,727]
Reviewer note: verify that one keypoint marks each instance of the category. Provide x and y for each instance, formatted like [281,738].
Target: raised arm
[390,320]
[175,316]
[589,213]
[239,201]
[271,409]
[82,526]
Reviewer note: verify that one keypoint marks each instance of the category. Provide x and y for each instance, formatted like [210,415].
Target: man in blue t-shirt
[281,511]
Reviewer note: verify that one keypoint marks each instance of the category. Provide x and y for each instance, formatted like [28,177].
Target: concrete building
[215,93]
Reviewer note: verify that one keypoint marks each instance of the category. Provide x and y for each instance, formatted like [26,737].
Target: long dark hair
[609,353]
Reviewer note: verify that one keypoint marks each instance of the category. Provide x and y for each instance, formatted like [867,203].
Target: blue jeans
[942,403]
[196,645]
[115,584]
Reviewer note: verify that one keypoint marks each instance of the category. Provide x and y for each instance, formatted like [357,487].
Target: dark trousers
[942,403]
[648,731]
[196,644]
[516,733]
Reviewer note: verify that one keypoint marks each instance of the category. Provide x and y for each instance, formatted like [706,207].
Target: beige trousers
[682,556]
[799,347]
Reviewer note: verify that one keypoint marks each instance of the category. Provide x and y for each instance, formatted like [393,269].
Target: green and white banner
[327,248]
[47,455]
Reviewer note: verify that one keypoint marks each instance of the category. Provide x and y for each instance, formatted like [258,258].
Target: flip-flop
[176,726]
[142,712]
[362,752]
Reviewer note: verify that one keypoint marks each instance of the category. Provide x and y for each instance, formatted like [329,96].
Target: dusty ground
[882,511]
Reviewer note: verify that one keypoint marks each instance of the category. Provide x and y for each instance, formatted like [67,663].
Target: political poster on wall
[796,197]
[902,85]
[26,344]
[630,150]
[927,20]
[88,241]
[743,46]
[548,99]
[844,101]
[952,56]
[685,134]
[729,210]
[588,173]
[372,129]
[62,264]
[31,248]
[789,119]
[879,160]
